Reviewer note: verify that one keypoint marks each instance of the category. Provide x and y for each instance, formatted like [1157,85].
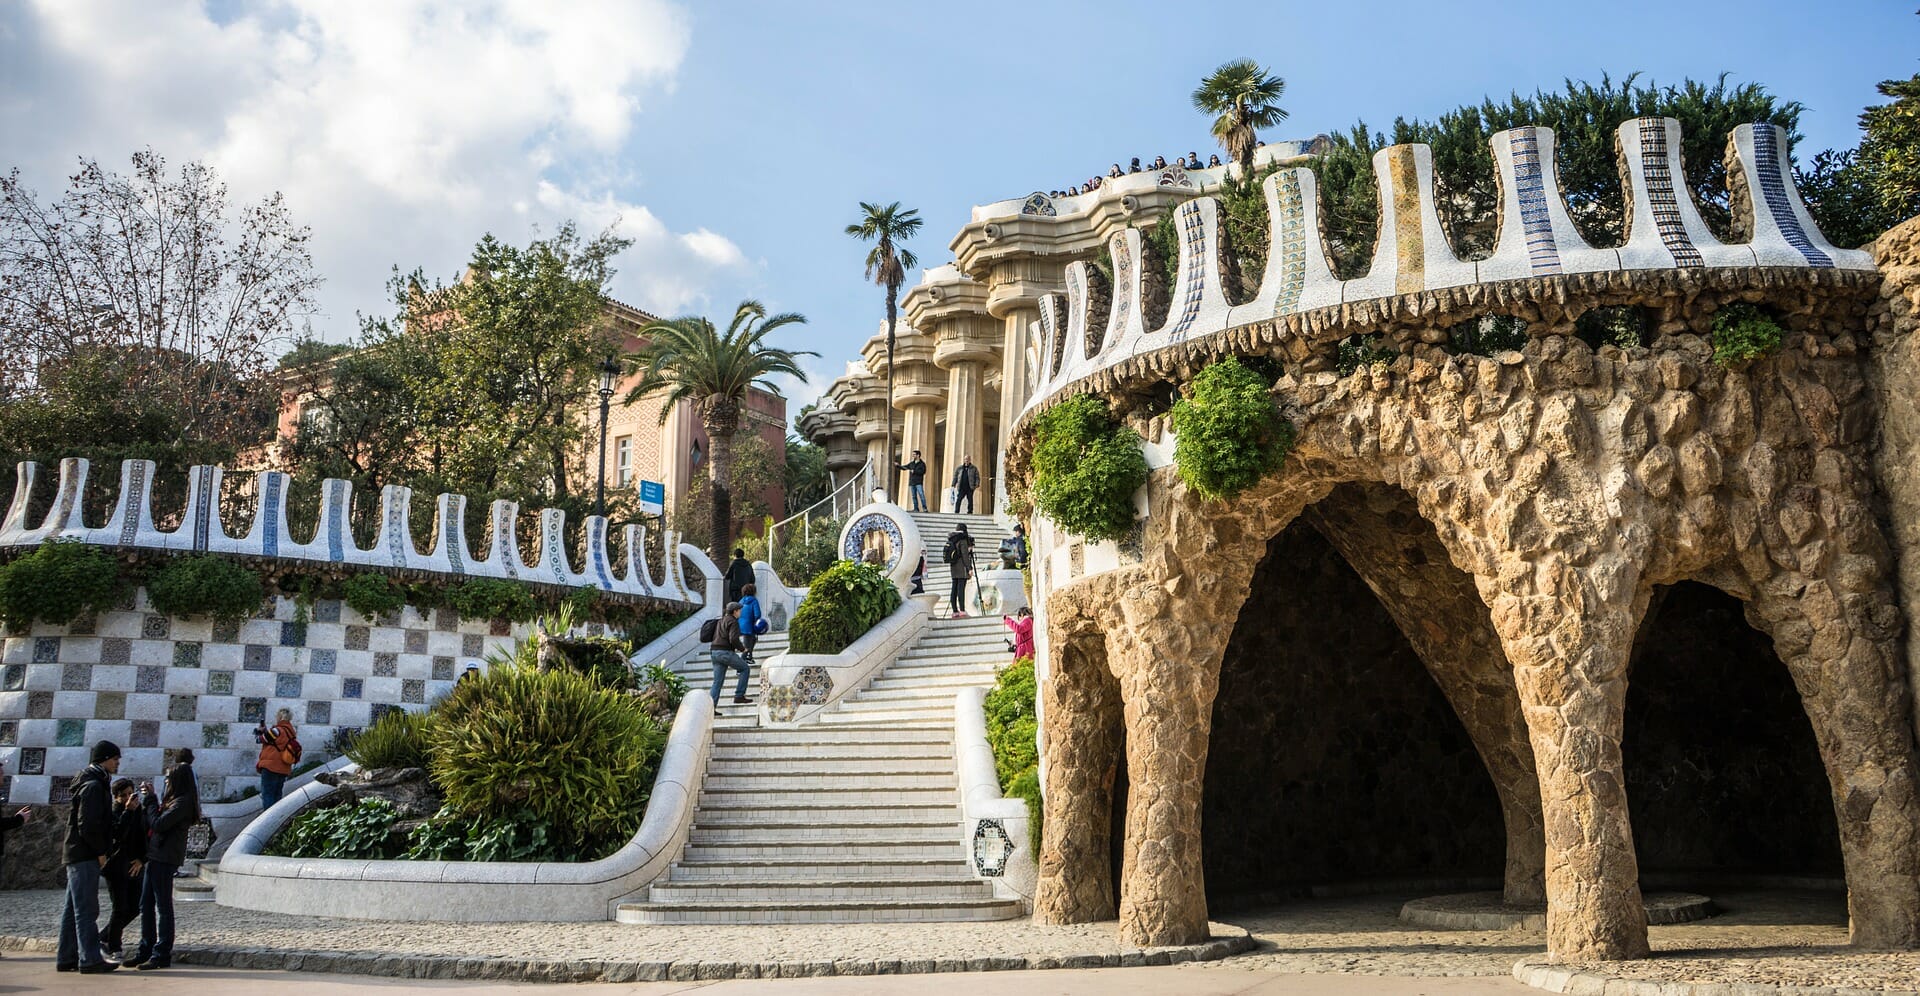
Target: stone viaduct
[1519,516]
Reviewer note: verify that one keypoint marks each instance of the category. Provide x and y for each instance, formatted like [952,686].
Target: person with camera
[129,854]
[279,752]
[166,852]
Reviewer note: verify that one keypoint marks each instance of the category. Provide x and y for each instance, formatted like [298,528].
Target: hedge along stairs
[853,819]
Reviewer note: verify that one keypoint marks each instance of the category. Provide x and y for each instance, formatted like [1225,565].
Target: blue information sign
[653,497]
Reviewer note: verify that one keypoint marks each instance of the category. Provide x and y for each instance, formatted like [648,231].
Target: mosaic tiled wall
[152,683]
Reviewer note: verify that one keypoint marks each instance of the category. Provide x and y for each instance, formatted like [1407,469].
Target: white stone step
[840,795]
[879,770]
[850,911]
[819,871]
[906,672]
[814,735]
[945,847]
[781,891]
[850,816]
[748,751]
[929,834]
[903,688]
[770,780]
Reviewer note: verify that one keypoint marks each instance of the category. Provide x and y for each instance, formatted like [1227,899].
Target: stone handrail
[993,828]
[131,525]
[1538,246]
[801,686]
[474,891]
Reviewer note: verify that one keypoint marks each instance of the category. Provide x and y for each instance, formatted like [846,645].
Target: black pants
[124,890]
[957,599]
[963,495]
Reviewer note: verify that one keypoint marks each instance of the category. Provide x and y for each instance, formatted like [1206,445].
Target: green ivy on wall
[1086,467]
[1228,432]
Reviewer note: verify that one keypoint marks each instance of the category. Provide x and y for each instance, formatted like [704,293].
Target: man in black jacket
[739,574]
[89,843]
[916,469]
[966,479]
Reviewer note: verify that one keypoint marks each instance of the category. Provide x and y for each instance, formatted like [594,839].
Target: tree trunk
[722,421]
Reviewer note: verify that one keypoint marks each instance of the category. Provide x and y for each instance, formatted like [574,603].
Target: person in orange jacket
[279,752]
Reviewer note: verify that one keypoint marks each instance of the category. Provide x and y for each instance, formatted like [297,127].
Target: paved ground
[1777,936]
[35,973]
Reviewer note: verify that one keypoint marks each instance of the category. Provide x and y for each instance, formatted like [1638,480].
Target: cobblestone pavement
[1771,936]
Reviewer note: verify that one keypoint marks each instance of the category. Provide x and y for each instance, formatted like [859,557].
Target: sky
[733,140]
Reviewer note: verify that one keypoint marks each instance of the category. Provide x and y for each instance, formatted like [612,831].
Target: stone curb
[1587,982]
[409,966]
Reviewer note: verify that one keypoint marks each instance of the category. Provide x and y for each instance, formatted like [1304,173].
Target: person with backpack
[88,847]
[724,645]
[166,852]
[123,868]
[752,622]
[739,574]
[279,751]
[959,558]
[966,479]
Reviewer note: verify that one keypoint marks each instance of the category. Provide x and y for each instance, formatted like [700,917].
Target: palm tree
[689,360]
[1245,98]
[887,265]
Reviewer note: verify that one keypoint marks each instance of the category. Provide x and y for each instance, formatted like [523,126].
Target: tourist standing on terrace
[279,752]
[916,480]
[166,852]
[966,478]
[88,845]
[725,651]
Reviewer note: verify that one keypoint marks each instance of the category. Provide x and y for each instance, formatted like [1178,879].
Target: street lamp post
[609,369]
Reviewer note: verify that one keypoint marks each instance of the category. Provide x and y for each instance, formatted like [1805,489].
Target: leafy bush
[448,837]
[801,556]
[57,583]
[1229,434]
[357,831]
[660,674]
[1012,730]
[398,739]
[205,586]
[548,747]
[1743,332]
[844,602]
[1086,468]
[1356,351]
[606,661]
[1621,325]
[493,598]
[653,626]
[372,595]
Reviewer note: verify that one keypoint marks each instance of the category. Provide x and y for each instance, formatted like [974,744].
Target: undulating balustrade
[132,525]
[1080,334]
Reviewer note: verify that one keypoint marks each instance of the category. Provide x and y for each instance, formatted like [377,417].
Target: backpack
[709,630]
[291,750]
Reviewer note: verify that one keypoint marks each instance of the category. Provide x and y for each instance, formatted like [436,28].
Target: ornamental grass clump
[1743,332]
[1086,468]
[1228,434]
[842,604]
[398,739]
[553,748]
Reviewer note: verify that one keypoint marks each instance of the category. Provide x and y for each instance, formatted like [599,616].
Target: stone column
[916,433]
[1081,740]
[1569,644]
[1013,359]
[965,424]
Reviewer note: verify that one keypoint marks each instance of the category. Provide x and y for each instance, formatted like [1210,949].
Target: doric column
[964,419]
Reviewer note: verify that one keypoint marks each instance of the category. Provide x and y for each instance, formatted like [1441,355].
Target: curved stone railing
[131,525]
[993,828]
[1043,205]
[1537,242]
[798,687]
[473,891]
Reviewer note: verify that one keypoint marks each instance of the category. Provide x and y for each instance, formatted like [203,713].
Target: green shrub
[398,739]
[551,747]
[1086,468]
[448,837]
[581,600]
[1743,332]
[357,831]
[844,602]
[1229,434]
[493,598]
[1012,721]
[1621,325]
[653,626]
[1356,351]
[372,595]
[606,661]
[205,586]
[660,674]
[57,583]
[1026,787]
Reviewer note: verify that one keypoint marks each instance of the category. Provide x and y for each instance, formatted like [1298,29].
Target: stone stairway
[934,528]
[850,819]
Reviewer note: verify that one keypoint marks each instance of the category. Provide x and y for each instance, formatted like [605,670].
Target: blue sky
[733,139]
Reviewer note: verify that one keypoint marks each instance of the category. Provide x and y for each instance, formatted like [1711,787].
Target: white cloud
[400,130]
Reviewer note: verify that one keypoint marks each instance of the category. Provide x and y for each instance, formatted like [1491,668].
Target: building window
[623,461]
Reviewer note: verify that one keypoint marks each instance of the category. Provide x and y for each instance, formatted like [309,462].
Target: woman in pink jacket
[1022,625]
